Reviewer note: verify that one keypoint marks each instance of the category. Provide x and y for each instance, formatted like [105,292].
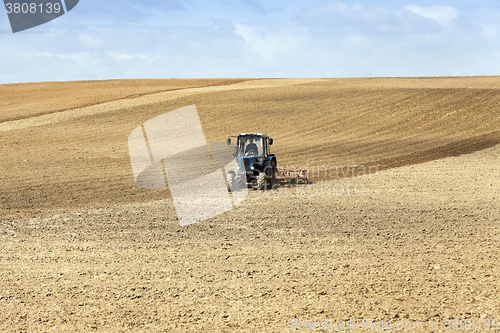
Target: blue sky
[104,39]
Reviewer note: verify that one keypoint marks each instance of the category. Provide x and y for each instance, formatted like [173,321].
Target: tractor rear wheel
[272,177]
[270,171]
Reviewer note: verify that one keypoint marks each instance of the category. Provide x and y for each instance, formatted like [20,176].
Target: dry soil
[413,238]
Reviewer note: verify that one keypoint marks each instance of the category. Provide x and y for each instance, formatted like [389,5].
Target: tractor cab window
[251,146]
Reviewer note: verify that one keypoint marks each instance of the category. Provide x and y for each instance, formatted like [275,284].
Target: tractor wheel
[241,182]
[231,182]
[270,170]
[261,181]
[272,179]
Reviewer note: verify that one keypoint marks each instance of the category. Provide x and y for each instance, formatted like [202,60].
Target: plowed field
[414,239]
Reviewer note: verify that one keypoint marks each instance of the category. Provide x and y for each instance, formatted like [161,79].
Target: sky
[127,39]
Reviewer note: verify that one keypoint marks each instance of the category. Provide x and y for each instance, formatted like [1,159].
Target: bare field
[84,249]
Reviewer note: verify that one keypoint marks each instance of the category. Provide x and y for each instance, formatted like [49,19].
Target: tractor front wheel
[231,182]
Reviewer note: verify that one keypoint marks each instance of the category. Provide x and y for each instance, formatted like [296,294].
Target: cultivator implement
[292,176]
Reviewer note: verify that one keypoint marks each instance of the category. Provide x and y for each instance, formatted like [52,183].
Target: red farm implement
[292,176]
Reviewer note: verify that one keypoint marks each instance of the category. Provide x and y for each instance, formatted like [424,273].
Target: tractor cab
[253,145]
[254,160]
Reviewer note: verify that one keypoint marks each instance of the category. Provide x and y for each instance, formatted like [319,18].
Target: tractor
[254,163]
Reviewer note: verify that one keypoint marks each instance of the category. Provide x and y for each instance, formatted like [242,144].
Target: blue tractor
[254,163]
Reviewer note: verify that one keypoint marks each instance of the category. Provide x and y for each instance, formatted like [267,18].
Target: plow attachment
[292,176]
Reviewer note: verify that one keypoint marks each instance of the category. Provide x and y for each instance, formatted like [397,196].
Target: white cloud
[441,14]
